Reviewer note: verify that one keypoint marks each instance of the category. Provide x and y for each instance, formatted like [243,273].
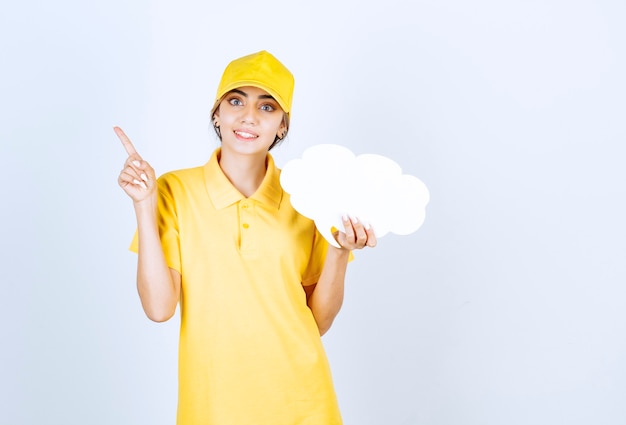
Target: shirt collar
[223,193]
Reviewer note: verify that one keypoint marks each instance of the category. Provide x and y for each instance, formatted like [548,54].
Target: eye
[235,101]
[268,108]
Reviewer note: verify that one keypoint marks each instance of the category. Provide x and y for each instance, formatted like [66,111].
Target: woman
[256,282]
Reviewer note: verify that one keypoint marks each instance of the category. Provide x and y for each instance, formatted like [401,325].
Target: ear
[282,130]
[216,118]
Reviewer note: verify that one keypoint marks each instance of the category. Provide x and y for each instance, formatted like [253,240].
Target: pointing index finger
[130,149]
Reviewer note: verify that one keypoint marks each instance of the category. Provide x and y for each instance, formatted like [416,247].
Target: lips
[245,135]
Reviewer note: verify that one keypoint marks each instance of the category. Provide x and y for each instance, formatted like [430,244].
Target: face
[249,120]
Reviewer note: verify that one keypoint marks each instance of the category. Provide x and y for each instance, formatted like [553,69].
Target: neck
[245,172]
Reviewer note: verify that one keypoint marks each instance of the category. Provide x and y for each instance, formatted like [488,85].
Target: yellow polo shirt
[250,351]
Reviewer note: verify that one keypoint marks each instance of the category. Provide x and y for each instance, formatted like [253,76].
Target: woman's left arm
[326,296]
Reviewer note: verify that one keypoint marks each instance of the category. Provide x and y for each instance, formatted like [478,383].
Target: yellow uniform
[250,351]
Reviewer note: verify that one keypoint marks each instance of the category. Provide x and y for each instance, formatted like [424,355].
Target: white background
[508,306]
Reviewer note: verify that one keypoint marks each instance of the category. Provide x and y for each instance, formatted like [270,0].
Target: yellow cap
[260,70]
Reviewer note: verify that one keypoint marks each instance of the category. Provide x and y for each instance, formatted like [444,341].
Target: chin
[246,148]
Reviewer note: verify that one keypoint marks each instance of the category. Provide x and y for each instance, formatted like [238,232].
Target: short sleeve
[317,259]
[168,226]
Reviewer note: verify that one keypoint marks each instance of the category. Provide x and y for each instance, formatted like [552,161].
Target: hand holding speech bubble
[330,181]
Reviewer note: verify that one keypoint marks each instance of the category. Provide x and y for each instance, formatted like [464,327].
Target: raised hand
[137,178]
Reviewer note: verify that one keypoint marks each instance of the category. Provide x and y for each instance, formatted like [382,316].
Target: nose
[249,114]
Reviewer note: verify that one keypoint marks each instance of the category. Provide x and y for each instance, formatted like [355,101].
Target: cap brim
[252,83]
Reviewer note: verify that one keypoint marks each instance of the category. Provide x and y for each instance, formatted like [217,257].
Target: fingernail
[367,226]
[354,219]
[344,217]
[136,163]
[142,184]
[144,177]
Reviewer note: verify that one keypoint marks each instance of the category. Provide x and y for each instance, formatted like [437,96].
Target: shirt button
[244,206]
[245,225]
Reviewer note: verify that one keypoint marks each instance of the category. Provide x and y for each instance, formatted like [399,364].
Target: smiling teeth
[244,134]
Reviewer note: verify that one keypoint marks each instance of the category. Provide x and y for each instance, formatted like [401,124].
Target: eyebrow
[244,94]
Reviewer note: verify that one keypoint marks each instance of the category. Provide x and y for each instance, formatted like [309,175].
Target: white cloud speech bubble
[329,181]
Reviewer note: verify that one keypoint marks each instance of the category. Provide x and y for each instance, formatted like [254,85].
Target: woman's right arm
[157,284]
